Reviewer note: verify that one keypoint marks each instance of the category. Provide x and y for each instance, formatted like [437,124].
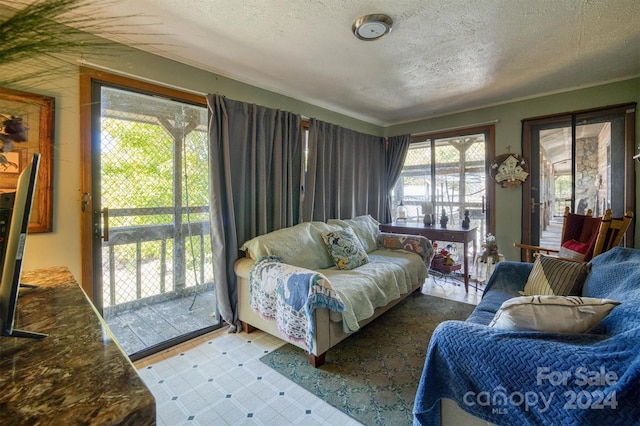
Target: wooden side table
[436,233]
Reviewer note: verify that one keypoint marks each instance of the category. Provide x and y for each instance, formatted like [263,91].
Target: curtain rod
[466,126]
[137,77]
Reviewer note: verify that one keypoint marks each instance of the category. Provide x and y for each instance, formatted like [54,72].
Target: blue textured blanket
[533,378]
[288,295]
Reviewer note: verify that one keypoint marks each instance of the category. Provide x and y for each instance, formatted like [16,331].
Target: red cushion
[576,246]
[589,229]
[573,227]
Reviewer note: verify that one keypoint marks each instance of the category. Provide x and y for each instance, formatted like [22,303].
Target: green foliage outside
[562,188]
[137,170]
[138,173]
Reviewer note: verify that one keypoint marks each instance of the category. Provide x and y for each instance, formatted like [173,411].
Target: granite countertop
[78,373]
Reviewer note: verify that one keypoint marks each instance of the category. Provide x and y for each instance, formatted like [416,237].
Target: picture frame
[9,172]
[37,114]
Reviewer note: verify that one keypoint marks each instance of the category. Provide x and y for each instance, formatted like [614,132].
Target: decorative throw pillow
[573,250]
[365,227]
[345,248]
[552,314]
[553,276]
[299,245]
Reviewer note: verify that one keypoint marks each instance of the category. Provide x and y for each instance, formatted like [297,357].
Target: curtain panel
[396,154]
[346,174]
[255,167]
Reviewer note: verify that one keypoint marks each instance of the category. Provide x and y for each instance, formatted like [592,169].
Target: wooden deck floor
[550,237]
[149,325]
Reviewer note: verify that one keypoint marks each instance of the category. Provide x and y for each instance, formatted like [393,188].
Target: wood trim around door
[85,183]
[630,179]
[87,77]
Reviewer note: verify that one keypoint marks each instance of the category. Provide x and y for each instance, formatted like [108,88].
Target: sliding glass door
[580,160]
[152,257]
[448,172]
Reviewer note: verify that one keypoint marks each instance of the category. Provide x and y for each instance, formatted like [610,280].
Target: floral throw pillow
[365,227]
[345,248]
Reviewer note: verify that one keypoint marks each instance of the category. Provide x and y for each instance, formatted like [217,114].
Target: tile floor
[218,379]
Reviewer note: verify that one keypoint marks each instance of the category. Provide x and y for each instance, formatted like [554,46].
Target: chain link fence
[155,184]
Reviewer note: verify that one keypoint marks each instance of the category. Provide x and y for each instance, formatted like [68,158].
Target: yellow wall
[62,246]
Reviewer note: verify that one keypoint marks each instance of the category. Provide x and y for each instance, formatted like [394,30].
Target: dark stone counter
[78,374]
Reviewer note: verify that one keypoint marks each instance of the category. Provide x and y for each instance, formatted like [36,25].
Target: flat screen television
[15,236]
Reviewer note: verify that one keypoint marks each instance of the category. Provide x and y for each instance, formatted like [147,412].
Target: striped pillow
[556,277]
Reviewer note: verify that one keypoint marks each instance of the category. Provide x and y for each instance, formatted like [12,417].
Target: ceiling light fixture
[372,27]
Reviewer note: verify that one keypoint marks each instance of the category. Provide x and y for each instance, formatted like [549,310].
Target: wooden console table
[436,233]
[78,374]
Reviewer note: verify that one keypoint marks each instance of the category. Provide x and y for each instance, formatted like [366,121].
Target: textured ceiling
[442,56]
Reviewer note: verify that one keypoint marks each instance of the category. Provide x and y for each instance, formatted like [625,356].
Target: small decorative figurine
[427,210]
[444,219]
[490,250]
[466,222]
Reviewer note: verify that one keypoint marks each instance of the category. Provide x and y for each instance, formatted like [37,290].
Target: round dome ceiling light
[372,27]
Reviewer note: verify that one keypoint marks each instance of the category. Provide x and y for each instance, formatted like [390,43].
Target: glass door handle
[534,204]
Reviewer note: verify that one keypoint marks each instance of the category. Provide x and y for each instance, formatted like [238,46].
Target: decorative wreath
[509,170]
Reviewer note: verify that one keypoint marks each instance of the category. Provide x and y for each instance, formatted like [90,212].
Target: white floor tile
[221,380]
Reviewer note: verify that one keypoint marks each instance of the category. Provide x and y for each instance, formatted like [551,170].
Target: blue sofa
[526,377]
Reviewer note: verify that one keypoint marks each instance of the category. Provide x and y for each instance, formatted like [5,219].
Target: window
[448,173]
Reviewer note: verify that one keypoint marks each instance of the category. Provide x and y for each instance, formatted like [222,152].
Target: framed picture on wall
[34,112]
[10,170]
[12,166]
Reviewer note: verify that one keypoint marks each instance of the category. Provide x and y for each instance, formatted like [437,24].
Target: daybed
[509,377]
[290,284]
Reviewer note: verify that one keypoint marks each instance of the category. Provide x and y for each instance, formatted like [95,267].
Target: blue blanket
[533,378]
[288,295]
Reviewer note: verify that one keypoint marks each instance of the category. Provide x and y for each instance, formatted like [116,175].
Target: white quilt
[388,275]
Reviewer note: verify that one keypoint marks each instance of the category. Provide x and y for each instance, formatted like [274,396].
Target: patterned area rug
[373,375]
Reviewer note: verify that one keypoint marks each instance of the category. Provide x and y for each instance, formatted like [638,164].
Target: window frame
[489,131]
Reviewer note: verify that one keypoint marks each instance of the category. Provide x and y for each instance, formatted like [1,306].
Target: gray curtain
[346,174]
[396,154]
[255,166]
